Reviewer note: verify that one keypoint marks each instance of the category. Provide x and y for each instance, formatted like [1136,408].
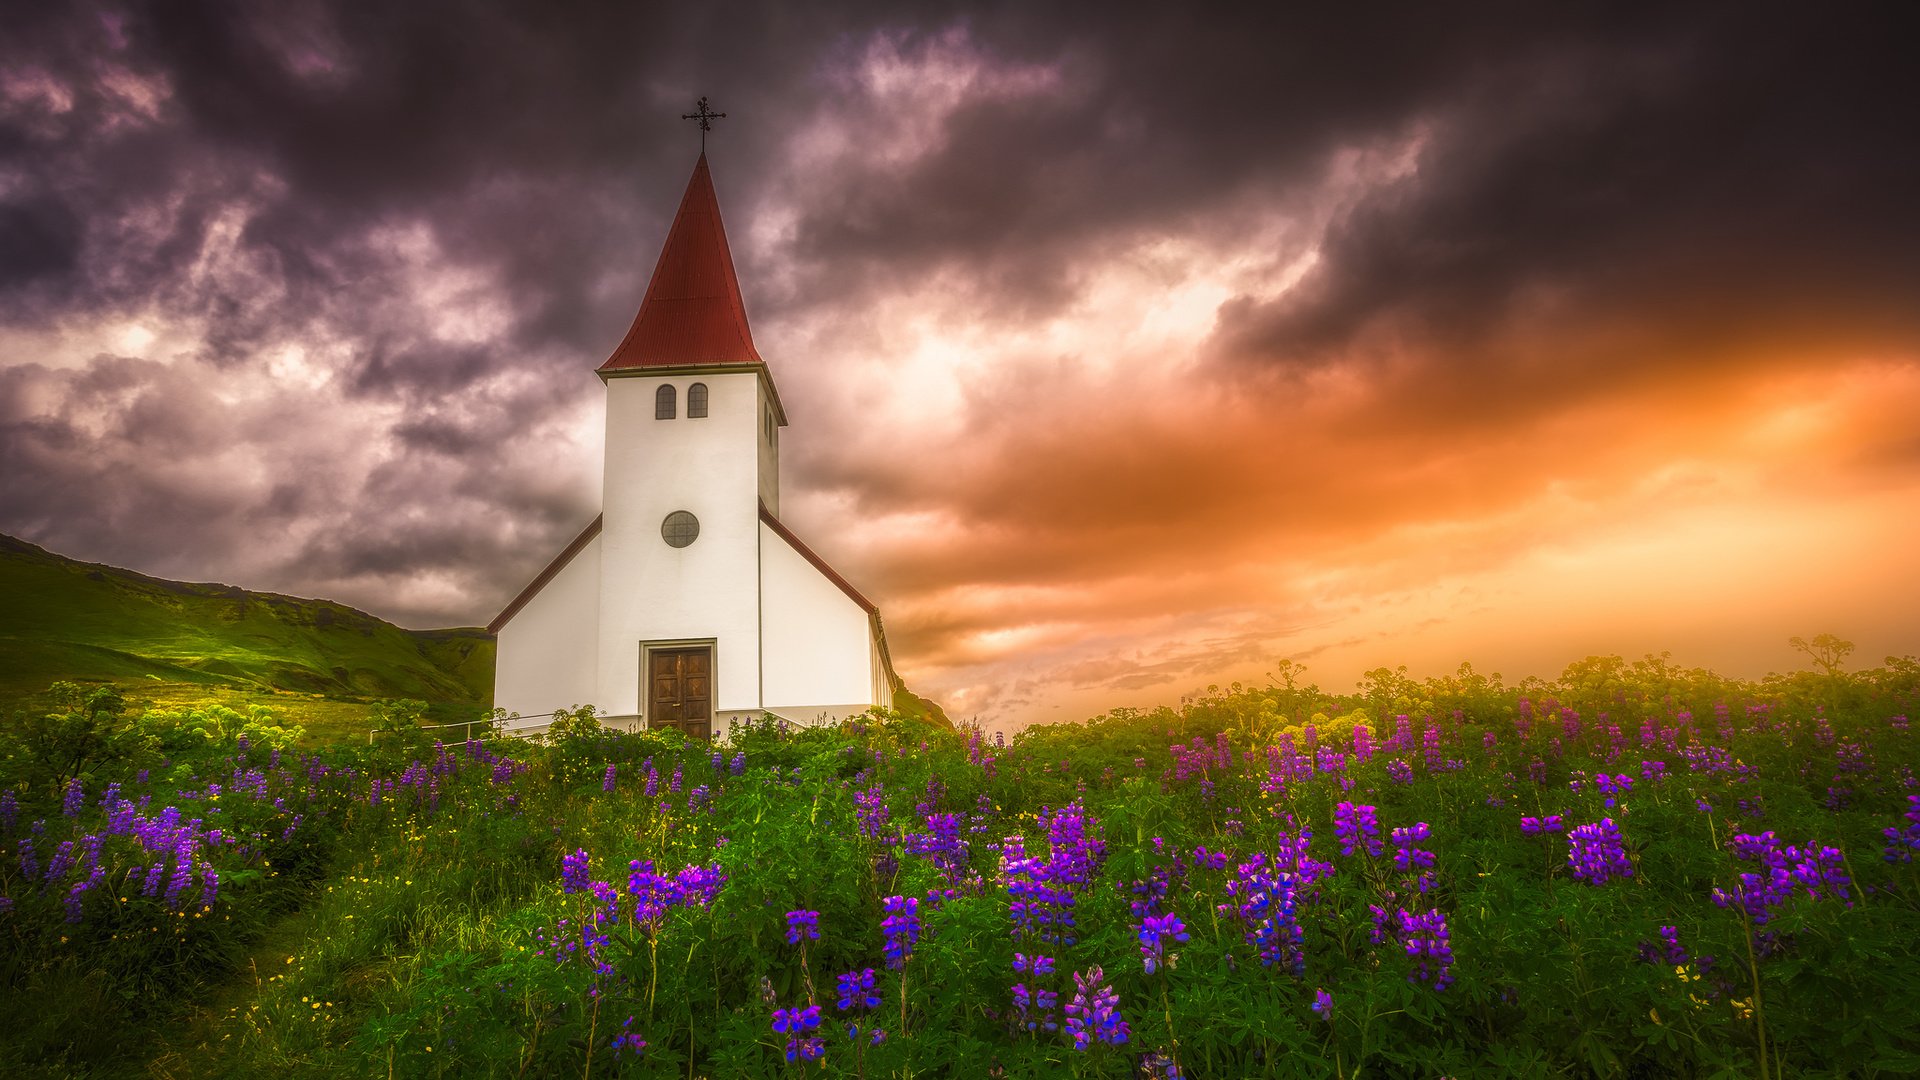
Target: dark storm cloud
[451,209]
[1736,179]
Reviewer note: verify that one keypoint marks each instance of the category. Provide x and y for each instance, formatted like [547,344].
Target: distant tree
[399,714]
[1825,650]
[87,729]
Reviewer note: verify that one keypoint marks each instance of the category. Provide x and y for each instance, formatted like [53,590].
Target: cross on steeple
[706,116]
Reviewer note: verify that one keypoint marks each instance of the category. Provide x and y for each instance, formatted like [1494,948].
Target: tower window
[663,402]
[696,401]
[679,529]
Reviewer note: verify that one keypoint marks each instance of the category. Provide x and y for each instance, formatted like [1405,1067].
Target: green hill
[64,619]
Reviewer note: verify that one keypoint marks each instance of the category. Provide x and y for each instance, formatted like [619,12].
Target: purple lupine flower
[738,765]
[1405,855]
[1094,1012]
[1613,786]
[1399,771]
[156,877]
[699,885]
[1429,943]
[674,784]
[574,871]
[1903,841]
[942,844]
[1323,1004]
[1669,951]
[9,810]
[856,991]
[606,782]
[1551,823]
[62,862]
[182,876]
[870,807]
[1357,826]
[606,902]
[797,1020]
[627,1041]
[76,896]
[901,927]
[75,798]
[653,778]
[1154,933]
[1816,867]
[209,886]
[1035,1007]
[798,1024]
[802,925]
[1265,900]
[651,893]
[1597,854]
[1037,965]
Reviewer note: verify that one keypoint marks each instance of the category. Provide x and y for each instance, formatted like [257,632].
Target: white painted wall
[786,639]
[769,436]
[817,643]
[711,467]
[545,657]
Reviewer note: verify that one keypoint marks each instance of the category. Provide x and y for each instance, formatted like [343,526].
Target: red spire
[692,313]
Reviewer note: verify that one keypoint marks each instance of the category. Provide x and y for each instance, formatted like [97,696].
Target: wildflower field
[1634,870]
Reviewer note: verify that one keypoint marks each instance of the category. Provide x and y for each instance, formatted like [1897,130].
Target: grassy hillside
[175,641]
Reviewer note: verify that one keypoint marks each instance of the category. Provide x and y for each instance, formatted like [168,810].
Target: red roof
[692,313]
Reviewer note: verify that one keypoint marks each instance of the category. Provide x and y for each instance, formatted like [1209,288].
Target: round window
[680,529]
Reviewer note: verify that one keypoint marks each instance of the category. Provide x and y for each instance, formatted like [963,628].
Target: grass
[398,929]
[178,644]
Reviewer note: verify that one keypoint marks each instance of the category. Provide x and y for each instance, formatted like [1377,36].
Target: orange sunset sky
[1126,352]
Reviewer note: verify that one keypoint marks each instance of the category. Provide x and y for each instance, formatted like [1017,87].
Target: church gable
[822,649]
[687,603]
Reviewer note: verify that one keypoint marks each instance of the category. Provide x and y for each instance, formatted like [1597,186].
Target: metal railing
[488,725]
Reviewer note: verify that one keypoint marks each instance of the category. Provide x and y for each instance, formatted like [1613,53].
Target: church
[687,603]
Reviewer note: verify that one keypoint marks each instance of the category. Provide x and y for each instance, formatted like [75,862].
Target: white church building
[687,603]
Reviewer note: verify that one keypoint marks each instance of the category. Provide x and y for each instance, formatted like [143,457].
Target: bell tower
[688,603]
[692,453]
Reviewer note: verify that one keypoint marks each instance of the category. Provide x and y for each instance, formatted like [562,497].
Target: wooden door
[680,690]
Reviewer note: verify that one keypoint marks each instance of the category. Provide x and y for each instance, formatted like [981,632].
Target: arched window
[696,401]
[663,402]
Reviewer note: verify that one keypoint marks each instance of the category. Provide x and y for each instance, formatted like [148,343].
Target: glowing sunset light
[1126,354]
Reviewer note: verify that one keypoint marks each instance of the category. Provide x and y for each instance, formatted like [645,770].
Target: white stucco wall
[712,468]
[769,456]
[817,643]
[545,658]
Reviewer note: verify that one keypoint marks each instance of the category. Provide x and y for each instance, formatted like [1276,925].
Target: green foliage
[87,622]
[412,921]
[575,725]
[85,731]
[217,725]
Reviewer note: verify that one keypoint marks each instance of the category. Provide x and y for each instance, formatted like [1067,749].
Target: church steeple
[692,313]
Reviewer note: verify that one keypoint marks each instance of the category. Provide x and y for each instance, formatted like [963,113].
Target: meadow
[1633,870]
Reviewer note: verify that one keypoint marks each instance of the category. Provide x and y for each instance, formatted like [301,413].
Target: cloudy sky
[1127,350]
